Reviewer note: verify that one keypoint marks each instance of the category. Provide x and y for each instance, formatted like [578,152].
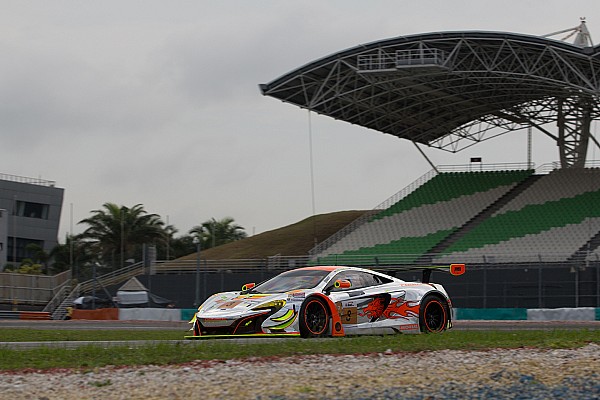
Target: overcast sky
[157,102]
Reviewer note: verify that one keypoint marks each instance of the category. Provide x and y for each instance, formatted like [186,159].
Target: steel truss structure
[451,90]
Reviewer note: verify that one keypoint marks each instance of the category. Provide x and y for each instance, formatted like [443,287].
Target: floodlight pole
[94,265]
[197,297]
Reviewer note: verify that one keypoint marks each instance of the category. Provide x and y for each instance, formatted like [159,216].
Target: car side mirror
[342,284]
[248,286]
[337,285]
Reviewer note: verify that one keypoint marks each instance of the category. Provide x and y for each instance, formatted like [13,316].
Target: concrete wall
[535,314]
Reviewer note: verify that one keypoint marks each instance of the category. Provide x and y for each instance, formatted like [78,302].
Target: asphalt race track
[184,326]
[89,324]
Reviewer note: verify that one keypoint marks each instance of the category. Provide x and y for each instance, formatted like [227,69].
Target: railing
[592,164]
[372,261]
[385,61]
[552,166]
[388,260]
[60,311]
[112,278]
[60,295]
[240,265]
[380,61]
[423,56]
[30,289]
[547,168]
[24,179]
[476,167]
[30,315]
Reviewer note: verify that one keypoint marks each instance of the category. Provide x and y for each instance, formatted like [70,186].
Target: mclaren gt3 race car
[327,301]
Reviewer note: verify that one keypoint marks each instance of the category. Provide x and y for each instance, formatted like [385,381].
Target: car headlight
[276,304]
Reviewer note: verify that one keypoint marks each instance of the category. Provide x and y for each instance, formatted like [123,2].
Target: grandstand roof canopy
[450,90]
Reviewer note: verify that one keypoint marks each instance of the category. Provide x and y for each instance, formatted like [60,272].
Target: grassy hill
[292,240]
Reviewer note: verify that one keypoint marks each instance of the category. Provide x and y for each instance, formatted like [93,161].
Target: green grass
[44,335]
[93,356]
[292,240]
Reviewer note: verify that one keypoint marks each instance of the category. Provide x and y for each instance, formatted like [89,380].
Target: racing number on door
[349,315]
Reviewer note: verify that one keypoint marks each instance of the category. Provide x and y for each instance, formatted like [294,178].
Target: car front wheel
[314,318]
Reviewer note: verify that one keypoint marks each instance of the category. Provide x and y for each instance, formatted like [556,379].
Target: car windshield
[292,280]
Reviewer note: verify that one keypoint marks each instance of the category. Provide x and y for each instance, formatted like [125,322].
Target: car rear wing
[454,269]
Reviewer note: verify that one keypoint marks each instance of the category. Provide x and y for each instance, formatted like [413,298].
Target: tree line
[115,235]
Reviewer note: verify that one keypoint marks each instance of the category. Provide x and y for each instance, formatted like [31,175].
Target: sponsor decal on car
[409,327]
[397,308]
[229,304]
[374,309]
[296,296]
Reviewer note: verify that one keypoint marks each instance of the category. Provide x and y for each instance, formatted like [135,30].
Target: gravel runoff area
[449,374]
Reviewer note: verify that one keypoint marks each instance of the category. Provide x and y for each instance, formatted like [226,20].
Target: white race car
[327,301]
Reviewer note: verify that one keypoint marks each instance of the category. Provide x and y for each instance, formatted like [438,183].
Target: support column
[574,119]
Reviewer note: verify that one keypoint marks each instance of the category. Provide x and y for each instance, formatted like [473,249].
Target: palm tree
[175,247]
[118,232]
[213,233]
[75,254]
[37,255]
[182,246]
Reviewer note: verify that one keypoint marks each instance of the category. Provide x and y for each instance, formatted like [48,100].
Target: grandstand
[507,216]
[555,219]
[450,91]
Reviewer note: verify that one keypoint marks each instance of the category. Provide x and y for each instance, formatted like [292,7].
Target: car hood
[236,304]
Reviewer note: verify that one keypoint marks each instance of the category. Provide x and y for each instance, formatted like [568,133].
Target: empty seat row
[554,216]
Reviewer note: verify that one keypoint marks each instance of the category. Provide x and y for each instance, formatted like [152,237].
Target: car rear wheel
[433,314]
[314,318]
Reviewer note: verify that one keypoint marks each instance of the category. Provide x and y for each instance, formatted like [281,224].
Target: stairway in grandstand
[589,249]
[467,216]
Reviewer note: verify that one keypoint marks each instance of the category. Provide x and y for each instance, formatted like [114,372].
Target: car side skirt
[247,335]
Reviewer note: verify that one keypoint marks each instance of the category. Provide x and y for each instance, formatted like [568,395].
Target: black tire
[314,318]
[433,314]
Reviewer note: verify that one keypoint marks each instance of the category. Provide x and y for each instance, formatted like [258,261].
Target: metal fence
[484,285]
[533,284]
[24,179]
[526,285]
[30,289]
